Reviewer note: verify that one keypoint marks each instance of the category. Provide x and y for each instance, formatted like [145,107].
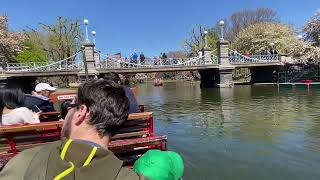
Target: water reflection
[249,132]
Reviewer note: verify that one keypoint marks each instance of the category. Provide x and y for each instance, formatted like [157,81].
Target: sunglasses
[65,108]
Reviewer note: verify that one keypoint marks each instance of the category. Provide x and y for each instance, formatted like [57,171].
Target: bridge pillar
[96,58]
[89,59]
[225,68]
[207,55]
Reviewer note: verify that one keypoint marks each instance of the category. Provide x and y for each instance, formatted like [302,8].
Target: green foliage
[212,39]
[59,40]
[258,37]
[196,40]
[33,53]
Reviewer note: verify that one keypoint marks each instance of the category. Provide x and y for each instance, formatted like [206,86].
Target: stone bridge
[215,67]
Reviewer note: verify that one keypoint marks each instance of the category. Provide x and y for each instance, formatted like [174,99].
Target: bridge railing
[237,58]
[114,63]
[62,65]
[23,66]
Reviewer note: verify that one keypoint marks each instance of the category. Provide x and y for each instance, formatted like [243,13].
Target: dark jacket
[45,163]
[35,103]
[134,108]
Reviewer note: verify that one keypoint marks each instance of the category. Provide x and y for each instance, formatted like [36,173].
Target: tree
[10,42]
[242,19]
[33,53]
[61,40]
[177,54]
[257,37]
[312,30]
[196,40]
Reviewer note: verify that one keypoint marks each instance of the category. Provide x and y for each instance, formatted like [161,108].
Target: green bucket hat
[160,165]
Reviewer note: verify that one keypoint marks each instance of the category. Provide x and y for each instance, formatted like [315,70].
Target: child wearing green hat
[160,165]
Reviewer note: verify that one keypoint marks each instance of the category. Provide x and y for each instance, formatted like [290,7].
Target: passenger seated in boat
[12,110]
[134,108]
[39,101]
[98,112]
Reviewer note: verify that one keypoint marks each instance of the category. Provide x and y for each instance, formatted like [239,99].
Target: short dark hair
[107,103]
[112,76]
[11,98]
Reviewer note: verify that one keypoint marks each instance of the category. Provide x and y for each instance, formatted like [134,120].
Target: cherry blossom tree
[10,42]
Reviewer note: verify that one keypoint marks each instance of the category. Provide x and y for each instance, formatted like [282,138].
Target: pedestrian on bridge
[135,57]
[142,58]
[273,51]
[164,59]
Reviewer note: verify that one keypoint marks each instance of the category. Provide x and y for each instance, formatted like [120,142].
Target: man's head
[111,76]
[100,109]
[44,89]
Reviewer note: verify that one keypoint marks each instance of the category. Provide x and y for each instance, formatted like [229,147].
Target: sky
[149,26]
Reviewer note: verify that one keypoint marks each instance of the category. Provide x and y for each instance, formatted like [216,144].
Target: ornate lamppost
[86,23]
[94,36]
[206,39]
[221,24]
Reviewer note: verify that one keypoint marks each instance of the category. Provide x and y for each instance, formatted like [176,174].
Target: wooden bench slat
[122,145]
[17,128]
[133,129]
[142,115]
[132,134]
[21,128]
[113,145]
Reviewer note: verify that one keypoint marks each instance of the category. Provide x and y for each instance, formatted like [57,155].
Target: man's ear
[81,114]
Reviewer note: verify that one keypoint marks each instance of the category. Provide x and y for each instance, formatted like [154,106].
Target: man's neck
[42,97]
[92,137]
[89,143]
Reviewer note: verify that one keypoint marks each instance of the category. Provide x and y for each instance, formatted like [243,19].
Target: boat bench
[134,138]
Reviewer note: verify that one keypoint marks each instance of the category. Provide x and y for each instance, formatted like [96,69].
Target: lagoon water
[244,133]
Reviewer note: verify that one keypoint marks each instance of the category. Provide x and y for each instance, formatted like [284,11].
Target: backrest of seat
[137,125]
[49,116]
[17,138]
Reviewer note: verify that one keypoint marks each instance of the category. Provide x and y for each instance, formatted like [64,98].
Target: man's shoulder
[17,166]
[28,154]
[26,161]
[34,100]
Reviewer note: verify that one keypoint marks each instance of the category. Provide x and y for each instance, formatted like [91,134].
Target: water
[249,132]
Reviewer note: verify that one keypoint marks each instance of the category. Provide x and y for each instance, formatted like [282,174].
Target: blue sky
[150,26]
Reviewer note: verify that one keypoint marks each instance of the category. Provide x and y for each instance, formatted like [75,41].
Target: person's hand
[33,93]
[36,115]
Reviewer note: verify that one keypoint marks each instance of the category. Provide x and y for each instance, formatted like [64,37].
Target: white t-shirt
[19,116]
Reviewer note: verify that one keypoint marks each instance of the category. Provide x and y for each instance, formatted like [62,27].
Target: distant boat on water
[158,82]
